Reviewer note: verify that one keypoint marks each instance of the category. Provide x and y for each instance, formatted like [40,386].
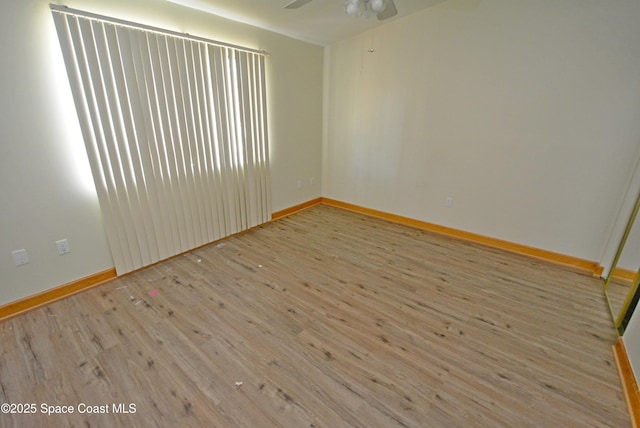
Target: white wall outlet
[63,247]
[20,257]
[312,181]
[299,183]
[448,202]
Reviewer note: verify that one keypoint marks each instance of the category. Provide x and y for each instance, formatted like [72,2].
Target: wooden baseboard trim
[624,275]
[296,208]
[629,383]
[575,263]
[49,296]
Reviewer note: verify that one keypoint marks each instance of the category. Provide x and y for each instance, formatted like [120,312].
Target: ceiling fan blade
[296,4]
[389,11]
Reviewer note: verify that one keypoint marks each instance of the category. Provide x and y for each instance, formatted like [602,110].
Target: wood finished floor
[329,319]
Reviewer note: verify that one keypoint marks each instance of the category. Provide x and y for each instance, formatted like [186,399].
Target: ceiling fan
[383,9]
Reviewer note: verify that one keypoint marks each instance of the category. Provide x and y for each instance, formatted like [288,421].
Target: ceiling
[321,22]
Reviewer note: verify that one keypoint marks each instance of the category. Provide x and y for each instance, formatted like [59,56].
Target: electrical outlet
[20,257]
[448,202]
[299,184]
[63,247]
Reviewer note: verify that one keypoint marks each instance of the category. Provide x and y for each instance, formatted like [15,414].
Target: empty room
[319,213]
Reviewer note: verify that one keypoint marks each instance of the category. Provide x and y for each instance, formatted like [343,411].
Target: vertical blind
[176,133]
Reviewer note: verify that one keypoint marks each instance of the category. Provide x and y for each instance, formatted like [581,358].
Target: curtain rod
[70,11]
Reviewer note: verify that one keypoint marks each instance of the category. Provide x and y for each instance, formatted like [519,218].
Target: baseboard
[624,275]
[629,383]
[49,296]
[296,208]
[586,266]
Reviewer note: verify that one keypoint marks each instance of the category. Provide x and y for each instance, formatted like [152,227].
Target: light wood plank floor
[329,319]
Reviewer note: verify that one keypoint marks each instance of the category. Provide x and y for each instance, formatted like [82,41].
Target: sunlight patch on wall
[64,111]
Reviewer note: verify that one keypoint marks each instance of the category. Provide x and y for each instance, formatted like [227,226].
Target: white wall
[525,112]
[47,192]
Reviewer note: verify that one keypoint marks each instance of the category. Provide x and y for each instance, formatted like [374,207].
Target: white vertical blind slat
[203,141]
[140,134]
[175,133]
[176,58]
[217,161]
[236,139]
[150,54]
[107,146]
[247,135]
[134,137]
[75,61]
[218,64]
[115,109]
[188,92]
[173,144]
[261,117]
[178,161]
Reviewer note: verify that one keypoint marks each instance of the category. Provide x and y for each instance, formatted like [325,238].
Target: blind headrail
[90,15]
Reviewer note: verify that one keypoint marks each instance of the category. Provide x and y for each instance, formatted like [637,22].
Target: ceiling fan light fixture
[377,5]
[352,7]
[381,9]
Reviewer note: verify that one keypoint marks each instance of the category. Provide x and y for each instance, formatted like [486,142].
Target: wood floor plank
[324,318]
